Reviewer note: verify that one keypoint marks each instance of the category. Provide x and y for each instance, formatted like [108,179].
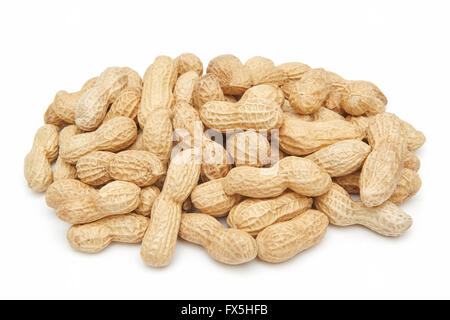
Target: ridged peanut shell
[207,88]
[186,62]
[146,199]
[184,87]
[249,148]
[118,197]
[126,104]
[93,168]
[65,189]
[294,70]
[363,97]
[157,134]
[262,71]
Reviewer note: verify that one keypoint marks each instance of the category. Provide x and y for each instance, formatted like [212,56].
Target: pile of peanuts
[277,150]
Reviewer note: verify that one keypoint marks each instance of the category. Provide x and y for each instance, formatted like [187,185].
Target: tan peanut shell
[386,219]
[158,245]
[115,198]
[325,114]
[126,104]
[249,148]
[298,174]
[159,81]
[252,113]
[341,158]
[229,246]
[383,167]
[113,135]
[336,86]
[262,70]
[254,215]
[210,198]
[157,134]
[186,62]
[64,103]
[66,189]
[37,164]
[146,199]
[134,80]
[294,70]
[309,93]
[362,97]
[233,77]
[140,167]
[207,88]
[96,236]
[138,143]
[90,110]
[62,169]
[282,241]
[411,161]
[184,87]
[265,91]
[50,117]
[93,168]
[300,137]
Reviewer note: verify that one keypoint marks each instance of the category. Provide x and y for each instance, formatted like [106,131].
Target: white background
[402,46]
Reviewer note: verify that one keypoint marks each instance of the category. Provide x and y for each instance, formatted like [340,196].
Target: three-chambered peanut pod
[341,158]
[252,113]
[282,241]
[91,107]
[298,174]
[37,164]
[300,137]
[362,97]
[309,93]
[210,198]
[408,185]
[383,167]
[117,197]
[113,135]
[263,70]
[233,77]
[158,245]
[230,246]
[386,219]
[159,81]
[62,169]
[254,215]
[95,236]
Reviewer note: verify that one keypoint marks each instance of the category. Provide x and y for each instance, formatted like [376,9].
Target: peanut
[411,161]
[157,134]
[147,197]
[300,137]
[134,80]
[265,91]
[252,113]
[66,189]
[115,198]
[263,70]
[249,148]
[229,246]
[126,104]
[90,110]
[207,88]
[254,215]
[186,62]
[62,169]
[210,198]
[159,81]
[233,77]
[138,143]
[96,236]
[309,93]
[284,240]
[298,174]
[362,97]
[93,168]
[113,135]
[383,167]
[50,117]
[386,219]
[37,164]
[184,87]
[294,70]
[341,158]
[325,114]
[158,245]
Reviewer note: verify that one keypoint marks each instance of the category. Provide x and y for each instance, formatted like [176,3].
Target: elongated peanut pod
[96,236]
[159,81]
[158,245]
[37,169]
[230,246]
[253,215]
[298,174]
[387,219]
[113,135]
[282,241]
[66,189]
